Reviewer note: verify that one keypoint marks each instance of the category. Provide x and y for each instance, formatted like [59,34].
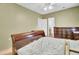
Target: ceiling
[38,7]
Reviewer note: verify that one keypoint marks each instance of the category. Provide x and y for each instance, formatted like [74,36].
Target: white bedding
[44,46]
[73,44]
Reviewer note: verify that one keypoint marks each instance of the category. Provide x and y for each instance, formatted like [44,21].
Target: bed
[44,46]
[21,39]
[35,42]
[71,34]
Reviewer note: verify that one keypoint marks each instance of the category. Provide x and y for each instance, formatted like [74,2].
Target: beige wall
[15,19]
[67,18]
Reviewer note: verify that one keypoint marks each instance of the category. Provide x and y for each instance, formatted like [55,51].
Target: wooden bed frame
[22,39]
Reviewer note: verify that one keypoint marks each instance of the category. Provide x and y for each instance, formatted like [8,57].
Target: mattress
[44,46]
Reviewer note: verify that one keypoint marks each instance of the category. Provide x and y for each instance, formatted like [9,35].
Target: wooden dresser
[76,35]
[66,32]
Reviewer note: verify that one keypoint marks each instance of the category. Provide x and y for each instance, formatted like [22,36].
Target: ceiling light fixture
[45,8]
[48,7]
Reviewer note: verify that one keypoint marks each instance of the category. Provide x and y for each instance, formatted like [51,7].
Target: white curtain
[47,25]
[42,24]
[51,25]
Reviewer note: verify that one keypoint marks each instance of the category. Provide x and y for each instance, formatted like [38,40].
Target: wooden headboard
[65,32]
[22,39]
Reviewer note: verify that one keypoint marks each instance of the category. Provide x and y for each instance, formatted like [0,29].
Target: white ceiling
[38,7]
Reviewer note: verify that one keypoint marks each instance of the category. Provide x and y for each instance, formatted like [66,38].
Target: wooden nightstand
[76,35]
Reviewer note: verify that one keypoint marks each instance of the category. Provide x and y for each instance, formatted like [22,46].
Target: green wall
[66,18]
[15,19]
